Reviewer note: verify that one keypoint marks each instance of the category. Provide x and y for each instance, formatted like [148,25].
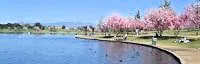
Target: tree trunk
[92,32]
[85,32]
[177,32]
[197,30]
[105,34]
[197,33]
[159,34]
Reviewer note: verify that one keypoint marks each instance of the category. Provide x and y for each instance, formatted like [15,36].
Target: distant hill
[68,24]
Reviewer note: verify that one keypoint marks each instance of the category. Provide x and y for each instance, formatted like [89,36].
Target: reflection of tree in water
[135,55]
[117,53]
[154,56]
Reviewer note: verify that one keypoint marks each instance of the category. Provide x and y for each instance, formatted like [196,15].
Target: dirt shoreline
[186,55]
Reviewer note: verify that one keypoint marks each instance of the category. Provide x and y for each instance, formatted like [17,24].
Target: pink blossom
[191,16]
[117,23]
[161,18]
[135,24]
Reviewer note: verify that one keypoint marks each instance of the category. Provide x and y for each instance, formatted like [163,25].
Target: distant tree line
[87,29]
[19,26]
[11,26]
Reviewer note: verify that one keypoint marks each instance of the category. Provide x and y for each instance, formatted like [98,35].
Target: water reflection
[119,53]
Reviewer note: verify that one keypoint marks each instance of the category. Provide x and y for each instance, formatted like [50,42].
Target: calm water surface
[65,49]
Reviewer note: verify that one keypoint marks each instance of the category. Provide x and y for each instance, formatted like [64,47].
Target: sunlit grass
[166,42]
[195,43]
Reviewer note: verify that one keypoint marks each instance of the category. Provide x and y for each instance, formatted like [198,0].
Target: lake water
[65,49]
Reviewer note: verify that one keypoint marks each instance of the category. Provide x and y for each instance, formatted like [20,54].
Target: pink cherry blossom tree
[160,19]
[135,25]
[114,23]
[103,26]
[178,24]
[192,16]
[117,23]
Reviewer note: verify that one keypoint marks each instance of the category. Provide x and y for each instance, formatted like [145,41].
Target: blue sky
[51,11]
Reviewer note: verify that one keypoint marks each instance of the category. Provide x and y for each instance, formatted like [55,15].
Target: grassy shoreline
[190,35]
[165,42]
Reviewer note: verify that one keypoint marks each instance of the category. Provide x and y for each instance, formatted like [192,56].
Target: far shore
[35,32]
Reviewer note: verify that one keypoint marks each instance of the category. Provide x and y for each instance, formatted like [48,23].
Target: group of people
[121,38]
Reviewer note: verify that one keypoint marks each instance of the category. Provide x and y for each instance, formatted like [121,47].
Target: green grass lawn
[170,41]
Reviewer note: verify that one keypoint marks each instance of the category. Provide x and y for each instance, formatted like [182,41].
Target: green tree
[92,28]
[63,27]
[8,25]
[17,26]
[28,26]
[37,24]
[85,28]
[137,16]
[166,4]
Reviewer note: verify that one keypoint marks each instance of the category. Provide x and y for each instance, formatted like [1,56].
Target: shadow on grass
[161,38]
[110,36]
[107,37]
[166,37]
